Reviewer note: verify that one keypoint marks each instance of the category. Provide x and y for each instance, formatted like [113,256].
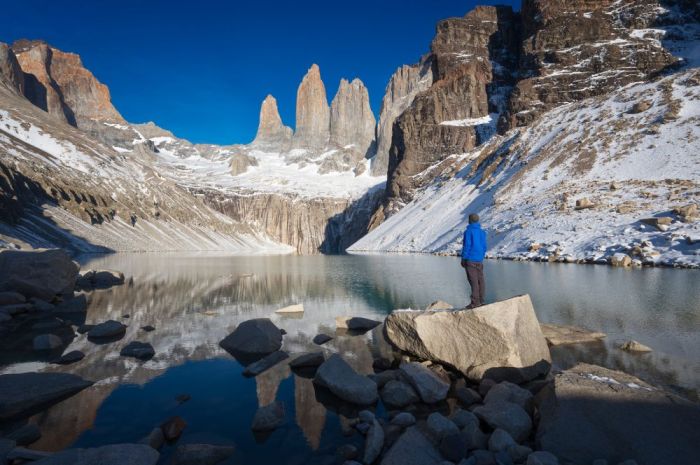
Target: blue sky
[201,69]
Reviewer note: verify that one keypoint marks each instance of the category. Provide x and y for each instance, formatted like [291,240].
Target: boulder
[253,339]
[467,396]
[41,273]
[501,440]
[412,448]
[583,204]
[24,394]
[355,323]
[115,454]
[374,441]
[464,418]
[269,418]
[107,278]
[429,386]
[590,413]
[507,416]
[321,339]
[107,330]
[254,369]
[46,342]
[201,454]
[403,419]
[396,393]
[139,350]
[439,426]
[565,334]
[634,346]
[310,360]
[298,308]
[502,340]
[509,392]
[621,260]
[345,383]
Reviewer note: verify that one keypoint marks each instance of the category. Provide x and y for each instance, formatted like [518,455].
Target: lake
[194,301]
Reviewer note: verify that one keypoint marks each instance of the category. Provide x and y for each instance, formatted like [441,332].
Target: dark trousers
[475,276]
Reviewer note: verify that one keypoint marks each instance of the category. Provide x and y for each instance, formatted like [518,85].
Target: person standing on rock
[473,251]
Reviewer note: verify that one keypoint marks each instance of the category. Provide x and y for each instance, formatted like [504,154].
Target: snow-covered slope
[634,154]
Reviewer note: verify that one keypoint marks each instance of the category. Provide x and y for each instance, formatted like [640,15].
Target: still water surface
[195,301]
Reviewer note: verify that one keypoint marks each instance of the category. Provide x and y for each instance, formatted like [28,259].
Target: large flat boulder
[41,273]
[115,454]
[252,340]
[502,340]
[590,413]
[24,394]
[338,377]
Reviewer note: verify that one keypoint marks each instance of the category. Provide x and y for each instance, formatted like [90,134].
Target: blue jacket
[474,243]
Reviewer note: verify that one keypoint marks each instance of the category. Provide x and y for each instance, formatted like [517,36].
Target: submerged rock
[115,454]
[107,330]
[139,350]
[297,308]
[634,346]
[24,394]
[502,340]
[565,334]
[269,418]
[590,413]
[344,382]
[265,363]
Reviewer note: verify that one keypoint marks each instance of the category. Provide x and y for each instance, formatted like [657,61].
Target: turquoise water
[194,301]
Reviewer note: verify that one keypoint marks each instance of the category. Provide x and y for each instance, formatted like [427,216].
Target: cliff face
[494,70]
[11,75]
[58,83]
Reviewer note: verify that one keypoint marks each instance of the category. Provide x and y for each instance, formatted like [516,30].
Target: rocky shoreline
[466,387]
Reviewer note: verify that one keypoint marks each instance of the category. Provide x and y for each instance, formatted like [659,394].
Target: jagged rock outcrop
[471,57]
[352,121]
[271,131]
[406,82]
[312,129]
[10,72]
[57,82]
[583,49]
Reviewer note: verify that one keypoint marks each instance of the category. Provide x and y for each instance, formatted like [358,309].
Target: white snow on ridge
[571,152]
[468,121]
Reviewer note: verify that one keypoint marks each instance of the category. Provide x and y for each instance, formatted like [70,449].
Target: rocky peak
[58,83]
[312,112]
[351,119]
[10,72]
[271,131]
[406,82]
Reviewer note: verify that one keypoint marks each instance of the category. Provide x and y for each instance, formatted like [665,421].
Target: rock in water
[564,334]
[502,340]
[272,133]
[297,308]
[139,350]
[26,393]
[344,382]
[201,454]
[312,359]
[321,339]
[269,418]
[355,323]
[173,427]
[107,330]
[312,113]
[427,384]
[254,369]
[253,339]
[412,448]
[590,412]
[634,346]
[116,454]
[42,273]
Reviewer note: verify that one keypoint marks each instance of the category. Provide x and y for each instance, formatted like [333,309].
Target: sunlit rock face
[352,122]
[10,72]
[271,131]
[312,129]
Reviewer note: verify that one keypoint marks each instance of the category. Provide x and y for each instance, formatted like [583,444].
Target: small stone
[106,330]
[485,385]
[70,357]
[384,377]
[148,328]
[297,308]
[373,443]
[507,416]
[430,387]
[172,428]
[398,394]
[509,392]
[453,446]
[404,420]
[347,452]
[464,418]
[139,350]
[355,323]
[519,453]
[484,457]
[500,440]
[366,416]
[476,439]
[269,418]
[439,426]
[362,427]
[321,339]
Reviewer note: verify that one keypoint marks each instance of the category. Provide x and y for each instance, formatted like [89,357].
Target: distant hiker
[473,251]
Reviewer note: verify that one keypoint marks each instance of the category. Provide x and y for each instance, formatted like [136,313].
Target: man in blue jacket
[473,251]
